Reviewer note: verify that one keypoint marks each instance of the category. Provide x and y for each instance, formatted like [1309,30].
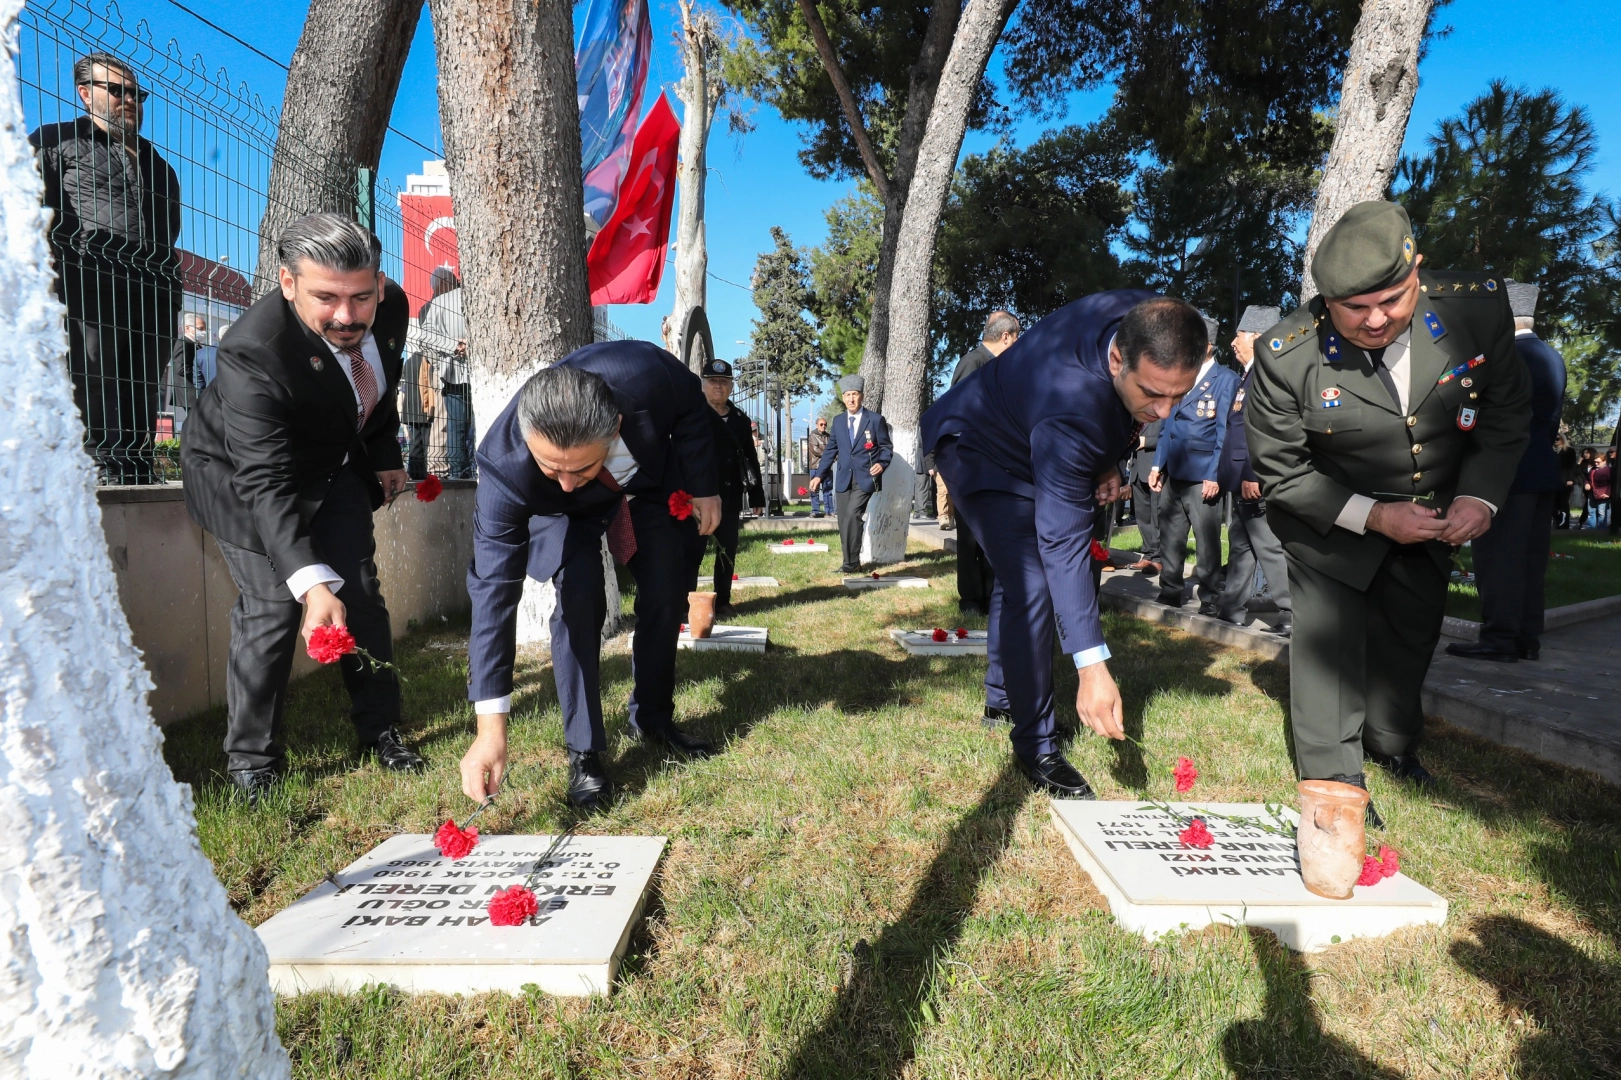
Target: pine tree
[784,357]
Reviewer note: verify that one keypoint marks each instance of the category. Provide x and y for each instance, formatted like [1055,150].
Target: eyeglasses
[120,90]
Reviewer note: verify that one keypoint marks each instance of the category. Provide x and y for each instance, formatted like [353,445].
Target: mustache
[342,327]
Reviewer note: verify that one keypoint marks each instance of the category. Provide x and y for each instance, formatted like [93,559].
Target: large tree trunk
[699,100]
[512,149]
[122,956]
[977,32]
[1381,77]
[340,94]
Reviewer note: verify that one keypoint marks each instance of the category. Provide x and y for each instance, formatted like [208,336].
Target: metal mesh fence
[159,175]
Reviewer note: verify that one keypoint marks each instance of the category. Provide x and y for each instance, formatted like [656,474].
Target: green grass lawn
[1591,570]
[861,884]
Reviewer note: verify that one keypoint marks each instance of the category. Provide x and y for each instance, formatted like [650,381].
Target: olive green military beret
[1369,249]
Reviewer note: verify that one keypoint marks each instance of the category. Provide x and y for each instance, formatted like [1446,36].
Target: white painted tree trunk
[691,252]
[889,513]
[1376,97]
[121,957]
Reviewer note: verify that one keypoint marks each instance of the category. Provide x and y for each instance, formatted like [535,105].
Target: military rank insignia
[1491,284]
[317,363]
[1466,419]
[1432,323]
[1448,376]
[1331,397]
[1331,348]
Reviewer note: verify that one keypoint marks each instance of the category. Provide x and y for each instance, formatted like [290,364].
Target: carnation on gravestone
[1196,835]
[962,632]
[788,541]
[512,906]
[939,634]
[680,505]
[735,577]
[454,842]
[875,575]
[1184,774]
[1375,870]
[329,644]
[428,488]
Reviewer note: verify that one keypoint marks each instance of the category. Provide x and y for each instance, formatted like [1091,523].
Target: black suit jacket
[526,525]
[272,430]
[1539,466]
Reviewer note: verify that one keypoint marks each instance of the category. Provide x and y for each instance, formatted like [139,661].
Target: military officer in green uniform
[1385,420]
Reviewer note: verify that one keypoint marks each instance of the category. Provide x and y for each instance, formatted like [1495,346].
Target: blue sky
[756,182]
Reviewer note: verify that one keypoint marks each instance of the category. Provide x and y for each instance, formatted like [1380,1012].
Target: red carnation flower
[735,577]
[1196,835]
[454,842]
[802,491]
[788,542]
[939,634]
[1099,552]
[511,906]
[962,632]
[683,629]
[1185,774]
[1376,870]
[869,445]
[875,575]
[329,644]
[680,505]
[428,488]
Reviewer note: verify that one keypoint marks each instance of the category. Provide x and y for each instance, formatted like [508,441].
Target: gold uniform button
[1412,421]
[1418,448]
[1473,395]
[1417,477]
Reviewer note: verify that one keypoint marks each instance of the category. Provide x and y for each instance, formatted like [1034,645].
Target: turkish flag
[429,243]
[626,261]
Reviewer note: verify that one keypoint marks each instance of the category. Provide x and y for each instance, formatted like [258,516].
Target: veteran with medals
[1385,420]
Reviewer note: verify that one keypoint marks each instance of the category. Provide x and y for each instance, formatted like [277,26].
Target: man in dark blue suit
[1511,558]
[615,439]
[861,449]
[1030,446]
[1250,540]
[1186,472]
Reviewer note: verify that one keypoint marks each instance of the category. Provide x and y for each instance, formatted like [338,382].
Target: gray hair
[568,407]
[1000,322]
[329,240]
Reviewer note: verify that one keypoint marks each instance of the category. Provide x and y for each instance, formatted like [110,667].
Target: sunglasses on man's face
[120,90]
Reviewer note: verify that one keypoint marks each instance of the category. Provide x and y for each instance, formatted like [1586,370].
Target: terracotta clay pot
[701,616]
[1331,840]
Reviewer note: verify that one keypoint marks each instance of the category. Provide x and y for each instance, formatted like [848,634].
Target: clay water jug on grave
[1331,840]
[700,613]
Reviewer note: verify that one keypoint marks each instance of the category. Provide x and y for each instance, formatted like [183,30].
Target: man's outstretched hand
[1097,702]
[485,762]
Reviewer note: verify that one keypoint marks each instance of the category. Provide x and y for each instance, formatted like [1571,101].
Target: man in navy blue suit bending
[614,439]
[1030,447]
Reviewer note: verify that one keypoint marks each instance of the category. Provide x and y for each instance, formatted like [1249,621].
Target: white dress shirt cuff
[309,577]
[501,705]
[1354,514]
[1095,655]
[1481,501]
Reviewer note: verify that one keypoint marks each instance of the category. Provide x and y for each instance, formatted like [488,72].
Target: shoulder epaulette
[1448,283]
[1291,332]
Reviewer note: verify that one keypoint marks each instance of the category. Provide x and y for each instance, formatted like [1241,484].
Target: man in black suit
[1511,558]
[614,439]
[739,472]
[861,449]
[289,452]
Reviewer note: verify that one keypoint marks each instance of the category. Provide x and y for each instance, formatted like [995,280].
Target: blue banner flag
[611,59]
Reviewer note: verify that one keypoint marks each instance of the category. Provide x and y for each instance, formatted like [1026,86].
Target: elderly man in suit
[1185,476]
[289,452]
[860,448]
[614,439]
[1031,446]
[1511,558]
[1250,540]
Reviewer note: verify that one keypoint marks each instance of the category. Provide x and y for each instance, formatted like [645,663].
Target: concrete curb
[1538,736]
[1552,619]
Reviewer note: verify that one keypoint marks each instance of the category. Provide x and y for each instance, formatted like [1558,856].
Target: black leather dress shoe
[849,569]
[254,784]
[588,785]
[1172,600]
[392,753]
[1053,773]
[1403,767]
[676,739]
[1532,653]
[995,718]
[1285,627]
[1476,651]
[724,611]
[1210,609]
[1371,818]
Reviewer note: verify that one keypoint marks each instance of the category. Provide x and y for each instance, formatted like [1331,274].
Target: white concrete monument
[404,915]
[798,547]
[122,957]
[922,642]
[1248,877]
[755,583]
[867,581]
[727,639]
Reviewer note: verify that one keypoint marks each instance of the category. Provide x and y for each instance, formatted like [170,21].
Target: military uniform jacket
[1322,427]
[1193,439]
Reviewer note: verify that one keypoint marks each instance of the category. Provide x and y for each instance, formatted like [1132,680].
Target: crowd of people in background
[1587,475]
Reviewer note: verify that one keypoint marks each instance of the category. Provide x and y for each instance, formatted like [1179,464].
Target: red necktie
[365,382]
[621,534]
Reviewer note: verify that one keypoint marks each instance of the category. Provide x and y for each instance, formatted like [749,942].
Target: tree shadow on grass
[877,1015]
[813,594]
[1288,1040]
[1573,999]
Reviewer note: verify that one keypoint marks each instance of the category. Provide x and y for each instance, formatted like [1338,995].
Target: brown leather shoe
[1143,564]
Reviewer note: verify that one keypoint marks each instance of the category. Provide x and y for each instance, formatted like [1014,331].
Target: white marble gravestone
[922,643]
[867,581]
[755,583]
[798,547]
[1155,885]
[404,915]
[727,639]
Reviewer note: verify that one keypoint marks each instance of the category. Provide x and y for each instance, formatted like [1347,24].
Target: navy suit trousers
[665,570]
[1019,677]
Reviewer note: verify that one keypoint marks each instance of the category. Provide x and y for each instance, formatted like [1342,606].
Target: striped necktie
[621,534]
[365,382]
